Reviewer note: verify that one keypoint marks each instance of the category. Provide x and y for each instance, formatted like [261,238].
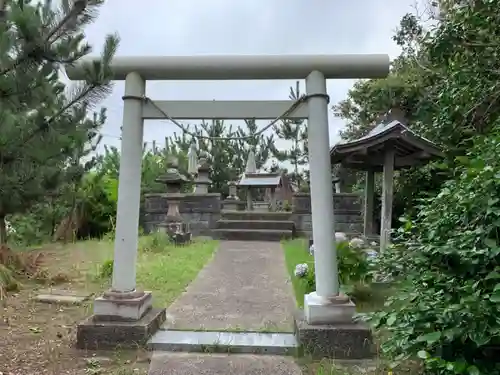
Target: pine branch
[36,52]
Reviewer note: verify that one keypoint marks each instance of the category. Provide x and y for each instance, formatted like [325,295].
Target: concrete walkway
[244,288]
[221,364]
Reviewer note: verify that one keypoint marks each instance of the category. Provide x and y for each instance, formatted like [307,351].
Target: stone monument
[233,191]
[231,203]
[174,226]
[202,180]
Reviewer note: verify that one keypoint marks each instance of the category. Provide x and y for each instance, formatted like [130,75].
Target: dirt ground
[38,338]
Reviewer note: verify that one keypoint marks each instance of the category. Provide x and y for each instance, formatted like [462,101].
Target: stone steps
[256,224]
[224,342]
[252,234]
[256,216]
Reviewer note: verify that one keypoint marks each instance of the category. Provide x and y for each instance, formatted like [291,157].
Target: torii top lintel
[243,67]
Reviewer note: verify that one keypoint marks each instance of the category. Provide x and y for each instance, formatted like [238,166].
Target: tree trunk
[3,231]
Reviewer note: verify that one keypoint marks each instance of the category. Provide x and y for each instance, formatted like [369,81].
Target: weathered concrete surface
[245,287]
[225,342]
[62,297]
[221,364]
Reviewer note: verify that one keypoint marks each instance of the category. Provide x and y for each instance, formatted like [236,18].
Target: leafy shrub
[7,281]
[309,279]
[154,242]
[287,206]
[106,269]
[447,268]
[354,267]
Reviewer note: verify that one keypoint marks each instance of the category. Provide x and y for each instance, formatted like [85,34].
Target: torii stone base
[120,322]
[351,340]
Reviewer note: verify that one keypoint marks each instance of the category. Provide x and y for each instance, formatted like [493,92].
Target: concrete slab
[225,342]
[65,292]
[62,298]
[221,364]
[244,288]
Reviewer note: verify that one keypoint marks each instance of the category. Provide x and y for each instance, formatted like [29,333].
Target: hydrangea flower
[9,228]
[371,254]
[340,237]
[301,269]
[311,249]
[357,243]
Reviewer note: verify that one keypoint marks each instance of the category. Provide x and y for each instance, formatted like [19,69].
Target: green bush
[309,279]
[155,242]
[287,206]
[106,269]
[354,268]
[447,267]
[7,281]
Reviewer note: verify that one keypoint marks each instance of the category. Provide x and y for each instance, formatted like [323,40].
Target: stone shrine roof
[260,179]
[368,151]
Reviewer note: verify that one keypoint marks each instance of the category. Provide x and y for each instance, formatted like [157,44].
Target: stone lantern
[174,226]
[203,177]
[233,191]
[232,200]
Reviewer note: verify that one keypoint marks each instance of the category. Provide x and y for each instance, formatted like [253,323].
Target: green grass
[296,252]
[165,269]
[366,297]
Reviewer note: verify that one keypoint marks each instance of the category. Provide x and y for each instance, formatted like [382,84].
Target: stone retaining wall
[201,211]
[348,213]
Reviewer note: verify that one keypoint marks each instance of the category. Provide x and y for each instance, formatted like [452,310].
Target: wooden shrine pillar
[249,199]
[272,195]
[387,195]
[369,202]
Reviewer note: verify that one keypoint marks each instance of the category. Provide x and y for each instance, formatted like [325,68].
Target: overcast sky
[191,27]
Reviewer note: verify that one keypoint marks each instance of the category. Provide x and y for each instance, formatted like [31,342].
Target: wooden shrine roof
[368,151]
[260,179]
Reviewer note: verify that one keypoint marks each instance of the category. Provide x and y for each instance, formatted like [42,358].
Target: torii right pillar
[328,328]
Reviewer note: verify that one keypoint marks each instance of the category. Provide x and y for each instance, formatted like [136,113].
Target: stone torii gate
[123,303]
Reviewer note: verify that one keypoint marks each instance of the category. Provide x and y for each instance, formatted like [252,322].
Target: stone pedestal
[232,202]
[261,207]
[202,181]
[125,320]
[233,191]
[178,232]
[231,205]
[326,329]
[338,310]
[174,226]
[337,341]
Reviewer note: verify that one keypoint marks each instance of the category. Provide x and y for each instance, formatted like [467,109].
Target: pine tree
[42,121]
[227,157]
[295,132]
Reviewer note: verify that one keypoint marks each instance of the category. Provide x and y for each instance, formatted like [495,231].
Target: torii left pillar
[124,315]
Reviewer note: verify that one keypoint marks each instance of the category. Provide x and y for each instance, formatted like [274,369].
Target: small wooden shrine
[389,146]
[271,181]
